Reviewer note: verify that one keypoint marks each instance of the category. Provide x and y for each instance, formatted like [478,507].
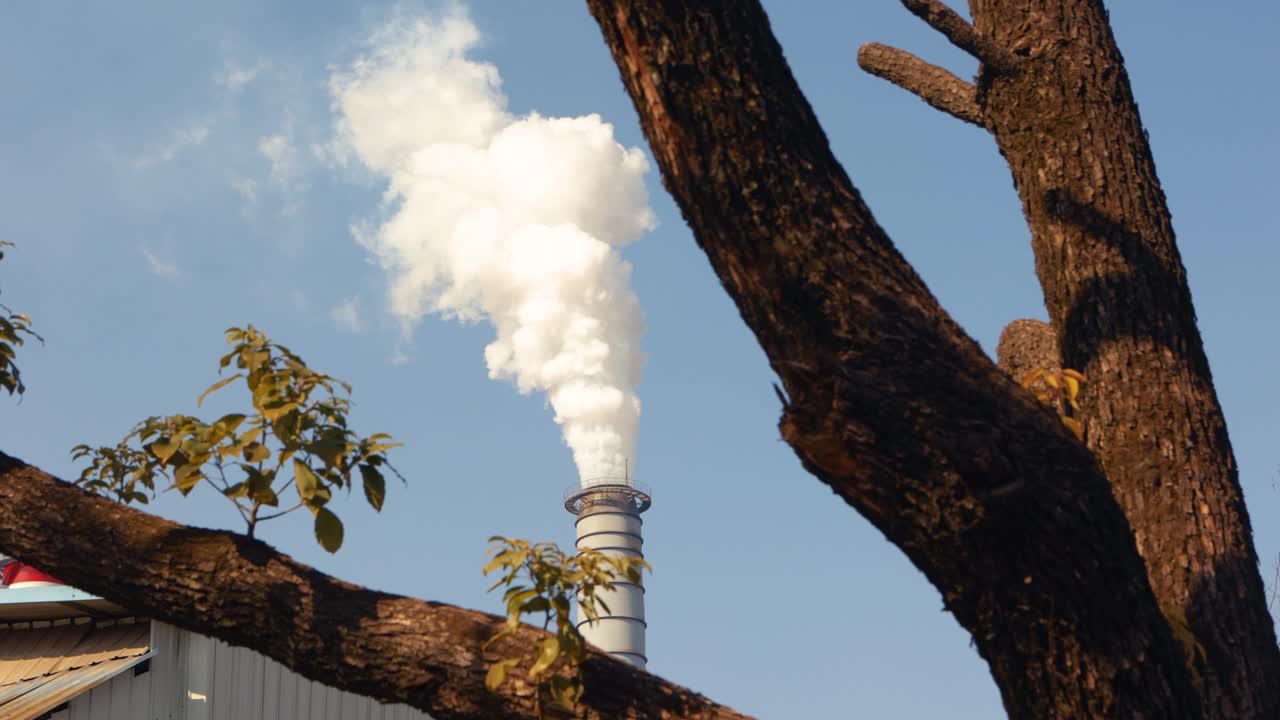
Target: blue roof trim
[48,594]
[53,602]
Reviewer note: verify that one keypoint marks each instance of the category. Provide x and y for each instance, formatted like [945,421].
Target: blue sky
[166,170]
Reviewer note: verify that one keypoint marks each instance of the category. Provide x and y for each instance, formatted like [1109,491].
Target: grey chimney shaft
[608,514]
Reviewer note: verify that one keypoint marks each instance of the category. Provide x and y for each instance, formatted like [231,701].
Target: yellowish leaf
[215,387]
[550,651]
[498,672]
[1030,378]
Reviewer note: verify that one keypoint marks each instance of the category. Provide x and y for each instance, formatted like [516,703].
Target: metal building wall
[124,697]
[193,677]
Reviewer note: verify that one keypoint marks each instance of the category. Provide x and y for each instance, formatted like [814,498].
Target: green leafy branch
[296,442]
[15,329]
[541,579]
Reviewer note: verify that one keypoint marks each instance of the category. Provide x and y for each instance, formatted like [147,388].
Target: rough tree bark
[887,401]
[1059,105]
[240,590]
[833,306]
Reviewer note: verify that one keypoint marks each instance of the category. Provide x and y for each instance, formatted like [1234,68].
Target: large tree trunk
[1065,119]
[889,402]
[1054,92]
[396,649]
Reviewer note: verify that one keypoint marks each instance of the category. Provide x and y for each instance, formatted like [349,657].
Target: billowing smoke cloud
[516,220]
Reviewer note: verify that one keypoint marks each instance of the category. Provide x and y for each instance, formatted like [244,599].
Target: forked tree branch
[392,648]
[961,34]
[1117,294]
[936,86]
[890,403]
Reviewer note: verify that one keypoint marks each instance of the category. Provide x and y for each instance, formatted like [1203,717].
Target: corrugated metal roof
[44,665]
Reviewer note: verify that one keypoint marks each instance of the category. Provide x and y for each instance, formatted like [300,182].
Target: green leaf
[164,448]
[498,672]
[566,691]
[328,530]
[275,409]
[561,605]
[265,496]
[253,359]
[514,601]
[215,387]
[228,423]
[238,490]
[330,448]
[256,452]
[375,486]
[259,485]
[187,477]
[513,590]
[506,557]
[307,482]
[538,604]
[550,651]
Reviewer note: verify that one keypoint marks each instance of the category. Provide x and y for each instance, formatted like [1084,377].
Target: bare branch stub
[1027,345]
[960,33]
[935,85]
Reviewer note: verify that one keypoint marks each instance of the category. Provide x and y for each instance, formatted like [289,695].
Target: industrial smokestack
[608,511]
[517,219]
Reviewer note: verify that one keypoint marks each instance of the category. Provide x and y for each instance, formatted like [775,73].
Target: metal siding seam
[199,679]
[159,668]
[221,697]
[270,690]
[140,694]
[332,703]
[121,697]
[79,708]
[99,698]
[288,696]
[242,683]
[289,689]
[259,685]
[304,698]
[351,705]
[168,692]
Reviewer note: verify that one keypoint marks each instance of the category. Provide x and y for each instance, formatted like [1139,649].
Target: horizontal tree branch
[936,86]
[228,586]
[961,34]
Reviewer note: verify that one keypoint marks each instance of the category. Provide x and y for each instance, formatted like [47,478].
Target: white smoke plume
[513,219]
